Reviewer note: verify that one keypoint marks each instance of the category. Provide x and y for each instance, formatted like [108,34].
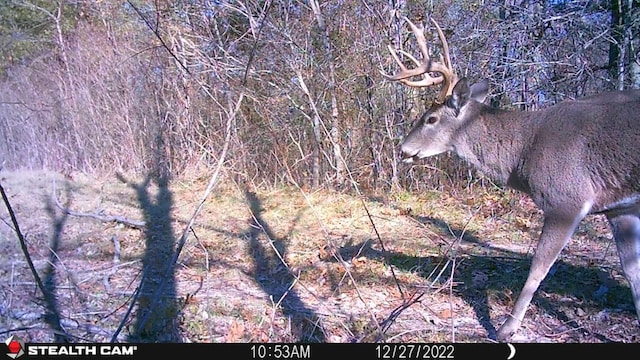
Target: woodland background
[292,88]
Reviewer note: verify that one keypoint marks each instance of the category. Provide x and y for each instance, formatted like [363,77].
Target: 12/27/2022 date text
[415,351]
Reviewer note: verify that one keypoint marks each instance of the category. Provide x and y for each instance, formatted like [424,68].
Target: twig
[156,32]
[107,218]
[116,261]
[453,269]
[99,215]
[114,337]
[116,249]
[407,303]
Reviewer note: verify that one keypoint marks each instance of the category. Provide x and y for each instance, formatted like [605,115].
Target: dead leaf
[445,314]
[326,253]
[235,332]
[523,223]
[361,261]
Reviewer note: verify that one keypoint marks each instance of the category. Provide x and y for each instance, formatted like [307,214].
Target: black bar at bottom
[259,351]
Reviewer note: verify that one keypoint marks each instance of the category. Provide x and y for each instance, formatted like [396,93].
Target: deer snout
[408,158]
[408,155]
[411,151]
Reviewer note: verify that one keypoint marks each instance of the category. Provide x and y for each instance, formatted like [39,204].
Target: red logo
[15,346]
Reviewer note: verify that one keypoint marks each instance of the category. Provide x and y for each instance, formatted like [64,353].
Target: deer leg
[626,231]
[556,232]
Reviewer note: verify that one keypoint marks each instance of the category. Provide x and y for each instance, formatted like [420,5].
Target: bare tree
[110,75]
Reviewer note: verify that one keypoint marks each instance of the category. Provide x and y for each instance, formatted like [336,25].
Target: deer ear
[460,95]
[479,91]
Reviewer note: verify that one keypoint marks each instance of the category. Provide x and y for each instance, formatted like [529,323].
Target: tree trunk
[634,44]
[334,132]
[621,58]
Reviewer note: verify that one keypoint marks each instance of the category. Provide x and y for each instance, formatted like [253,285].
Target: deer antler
[427,66]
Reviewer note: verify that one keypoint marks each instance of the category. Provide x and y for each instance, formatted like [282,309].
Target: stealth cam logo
[15,346]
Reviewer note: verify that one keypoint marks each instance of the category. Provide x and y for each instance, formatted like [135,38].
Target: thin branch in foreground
[48,296]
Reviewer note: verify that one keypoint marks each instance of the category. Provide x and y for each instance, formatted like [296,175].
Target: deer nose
[407,155]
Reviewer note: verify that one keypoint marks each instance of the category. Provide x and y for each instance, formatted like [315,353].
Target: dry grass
[285,265]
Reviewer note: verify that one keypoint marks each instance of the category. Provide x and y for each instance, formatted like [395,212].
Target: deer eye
[432,120]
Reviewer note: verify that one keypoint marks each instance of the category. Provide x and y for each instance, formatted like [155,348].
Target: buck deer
[573,159]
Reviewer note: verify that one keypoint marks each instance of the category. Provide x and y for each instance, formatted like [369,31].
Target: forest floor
[290,265]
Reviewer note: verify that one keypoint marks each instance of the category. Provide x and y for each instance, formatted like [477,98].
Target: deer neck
[494,141]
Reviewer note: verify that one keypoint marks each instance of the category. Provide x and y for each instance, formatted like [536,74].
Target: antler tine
[422,68]
[427,66]
[450,76]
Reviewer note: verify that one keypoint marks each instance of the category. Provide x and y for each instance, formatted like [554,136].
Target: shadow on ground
[52,315]
[275,278]
[498,277]
[157,313]
[156,319]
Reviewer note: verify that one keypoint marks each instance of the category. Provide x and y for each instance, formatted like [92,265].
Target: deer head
[433,132]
